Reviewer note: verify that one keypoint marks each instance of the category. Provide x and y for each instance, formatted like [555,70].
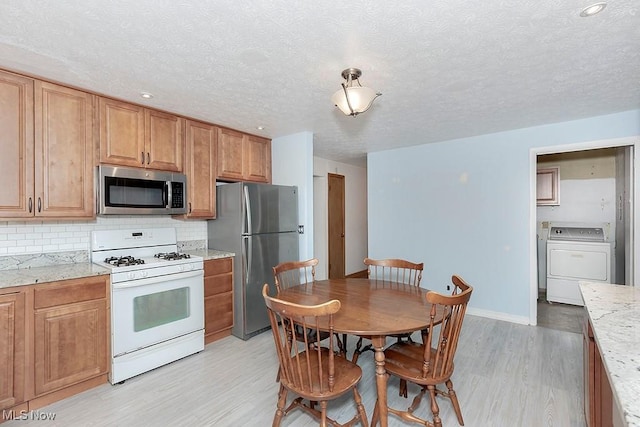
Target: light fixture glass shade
[360,99]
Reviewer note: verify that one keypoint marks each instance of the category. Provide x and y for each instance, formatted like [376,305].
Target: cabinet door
[64,156]
[164,141]
[12,347]
[257,159]
[230,152]
[16,145]
[200,167]
[121,133]
[70,344]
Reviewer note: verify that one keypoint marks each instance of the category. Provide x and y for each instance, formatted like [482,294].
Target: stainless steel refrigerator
[259,223]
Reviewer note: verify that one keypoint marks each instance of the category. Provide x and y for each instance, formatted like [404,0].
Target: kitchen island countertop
[614,312]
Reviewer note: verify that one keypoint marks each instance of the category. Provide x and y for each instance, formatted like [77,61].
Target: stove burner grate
[170,256]
[123,261]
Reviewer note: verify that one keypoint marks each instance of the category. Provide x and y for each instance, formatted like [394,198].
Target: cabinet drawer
[218,312]
[218,284]
[218,266]
[70,291]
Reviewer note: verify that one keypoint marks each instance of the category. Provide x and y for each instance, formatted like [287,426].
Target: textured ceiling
[446,69]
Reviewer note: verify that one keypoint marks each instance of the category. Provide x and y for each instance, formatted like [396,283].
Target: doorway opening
[601,192]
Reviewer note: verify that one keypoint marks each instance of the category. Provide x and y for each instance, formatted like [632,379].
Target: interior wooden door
[335,208]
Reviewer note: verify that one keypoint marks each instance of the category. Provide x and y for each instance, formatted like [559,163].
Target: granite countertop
[614,311]
[210,253]
[49,273]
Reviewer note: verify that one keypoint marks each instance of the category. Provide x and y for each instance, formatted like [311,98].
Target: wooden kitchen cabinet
[598,397]
[71,330]
[200,168]
[243,157]
[46,150]
[218,298]
[135,136]
[12,350]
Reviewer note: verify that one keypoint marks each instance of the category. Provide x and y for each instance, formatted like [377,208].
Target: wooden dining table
[370,307]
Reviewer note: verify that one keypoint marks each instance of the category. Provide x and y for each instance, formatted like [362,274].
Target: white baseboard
[522,320]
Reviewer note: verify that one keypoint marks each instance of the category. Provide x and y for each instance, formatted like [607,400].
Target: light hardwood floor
[506,375]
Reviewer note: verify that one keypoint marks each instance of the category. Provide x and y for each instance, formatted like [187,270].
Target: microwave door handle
[169,193]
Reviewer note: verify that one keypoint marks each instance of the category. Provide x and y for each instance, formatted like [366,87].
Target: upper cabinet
[243,157]
[46,149]
[200,168]
[131,135]
[548,187]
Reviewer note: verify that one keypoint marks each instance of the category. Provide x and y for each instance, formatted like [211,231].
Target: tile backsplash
[29,237]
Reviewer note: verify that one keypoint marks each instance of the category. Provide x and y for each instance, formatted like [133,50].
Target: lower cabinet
[70,333]
[54,341]
[598,398]
[12,350]
[218,298]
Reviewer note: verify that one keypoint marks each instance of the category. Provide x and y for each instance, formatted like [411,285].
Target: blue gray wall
[464,207]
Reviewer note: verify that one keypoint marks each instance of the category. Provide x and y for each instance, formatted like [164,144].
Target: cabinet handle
[142,157]
[148,158]
[39,204]
[189,207]
[30,205]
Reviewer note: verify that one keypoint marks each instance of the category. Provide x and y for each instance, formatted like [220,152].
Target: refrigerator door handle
[247,249]
[247,210]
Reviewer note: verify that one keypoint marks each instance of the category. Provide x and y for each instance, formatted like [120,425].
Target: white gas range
[157,299]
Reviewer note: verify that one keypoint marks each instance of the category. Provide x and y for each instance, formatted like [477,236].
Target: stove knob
[188,267]
[131,275]
[144,273]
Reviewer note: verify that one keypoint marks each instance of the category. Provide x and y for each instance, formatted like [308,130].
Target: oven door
[149,311]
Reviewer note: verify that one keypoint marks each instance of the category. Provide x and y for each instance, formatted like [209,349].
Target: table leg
[381,379]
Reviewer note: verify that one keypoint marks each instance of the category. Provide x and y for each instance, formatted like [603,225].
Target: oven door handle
[159,279]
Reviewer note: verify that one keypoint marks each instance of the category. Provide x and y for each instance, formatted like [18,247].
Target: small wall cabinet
[548,187]
[131,135]
[218,298]
[243,157]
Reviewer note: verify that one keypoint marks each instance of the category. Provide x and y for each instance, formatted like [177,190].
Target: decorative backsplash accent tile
[192,245]
[42,259]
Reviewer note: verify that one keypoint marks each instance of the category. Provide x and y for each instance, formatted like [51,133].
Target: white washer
[574,254]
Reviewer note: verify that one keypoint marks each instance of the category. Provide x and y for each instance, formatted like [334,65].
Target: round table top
[368,306]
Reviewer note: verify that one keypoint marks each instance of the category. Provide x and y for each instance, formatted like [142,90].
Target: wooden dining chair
[431,363]
[294,273]
[389,270]
[310,371]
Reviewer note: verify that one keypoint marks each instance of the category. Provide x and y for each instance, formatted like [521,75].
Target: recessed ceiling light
[146,95]
[593,9]
[260,127]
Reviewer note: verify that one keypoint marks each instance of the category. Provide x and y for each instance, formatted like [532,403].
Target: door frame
[634,192]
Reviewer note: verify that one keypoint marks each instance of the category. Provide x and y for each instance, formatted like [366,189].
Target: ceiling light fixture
[351,99]
[593,9]
[146,95]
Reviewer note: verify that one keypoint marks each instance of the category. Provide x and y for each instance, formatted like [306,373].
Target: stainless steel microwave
[130,191]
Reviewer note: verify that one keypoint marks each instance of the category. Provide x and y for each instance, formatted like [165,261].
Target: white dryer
[575,254]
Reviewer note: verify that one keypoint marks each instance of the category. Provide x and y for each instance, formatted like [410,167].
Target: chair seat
[347,375]
[405,360]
